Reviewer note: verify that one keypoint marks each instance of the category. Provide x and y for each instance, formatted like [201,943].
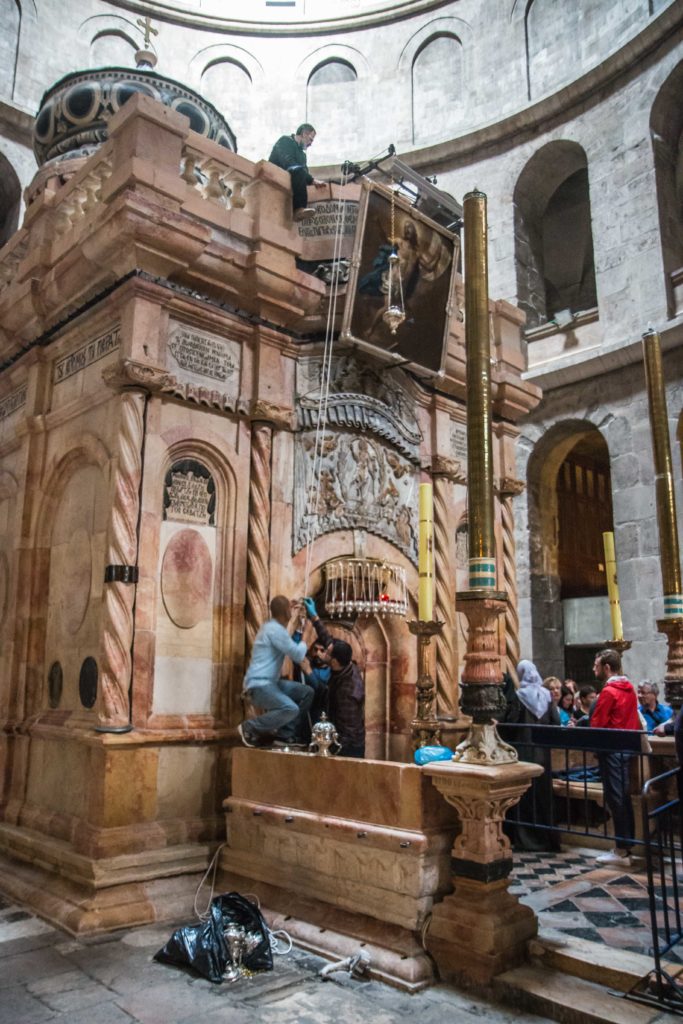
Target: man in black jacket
[289,152]
[346,689]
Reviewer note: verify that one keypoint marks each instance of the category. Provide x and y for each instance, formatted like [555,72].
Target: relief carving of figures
[360,485]
[361,398]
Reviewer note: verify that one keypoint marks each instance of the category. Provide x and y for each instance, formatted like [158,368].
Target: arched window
[553,235]
[666,129]
[10,18]
[331,101]
[112,49]
[436,87]
[227,84]
[10,200]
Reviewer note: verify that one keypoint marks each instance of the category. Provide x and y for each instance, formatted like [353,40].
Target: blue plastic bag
[423,755]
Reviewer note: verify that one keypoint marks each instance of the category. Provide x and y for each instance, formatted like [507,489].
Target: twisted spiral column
[508,490]
[122,548]
[447,687]
[258,551]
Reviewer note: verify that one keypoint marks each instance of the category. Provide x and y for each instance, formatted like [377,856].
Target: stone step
[572,1000]
[593,961]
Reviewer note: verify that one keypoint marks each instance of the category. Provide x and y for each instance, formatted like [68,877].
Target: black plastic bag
[203,947]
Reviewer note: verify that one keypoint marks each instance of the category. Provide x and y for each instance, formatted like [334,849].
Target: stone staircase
[580,982]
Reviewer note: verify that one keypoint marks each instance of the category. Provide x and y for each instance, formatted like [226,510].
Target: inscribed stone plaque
[13,402]
[330,220]
[87,354]
[204,358]
[459,442]
[189,494]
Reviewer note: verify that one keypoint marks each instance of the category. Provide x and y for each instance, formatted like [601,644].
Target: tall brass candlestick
[664,487]
[482,562]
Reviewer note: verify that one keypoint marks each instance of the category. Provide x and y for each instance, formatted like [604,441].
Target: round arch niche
[570,506]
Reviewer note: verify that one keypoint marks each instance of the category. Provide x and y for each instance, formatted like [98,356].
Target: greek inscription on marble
[459,442]
[202,354]
[87,354]
[189,498]
[12,402]
[327,221]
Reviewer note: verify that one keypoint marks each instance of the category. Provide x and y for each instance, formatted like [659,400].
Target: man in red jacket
[616,708]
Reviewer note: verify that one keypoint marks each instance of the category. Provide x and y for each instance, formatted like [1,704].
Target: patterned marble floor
[573,895]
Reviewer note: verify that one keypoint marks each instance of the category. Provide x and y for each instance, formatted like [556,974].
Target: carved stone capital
[482,795]
[510,487]
[278,415]
[452,469]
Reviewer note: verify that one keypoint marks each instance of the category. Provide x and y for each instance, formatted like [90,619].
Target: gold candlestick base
[425,726]
[673,680]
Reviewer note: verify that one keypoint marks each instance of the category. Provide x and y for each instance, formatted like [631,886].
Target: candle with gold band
[482,551]
[612,586]
[425,555]
[664,486]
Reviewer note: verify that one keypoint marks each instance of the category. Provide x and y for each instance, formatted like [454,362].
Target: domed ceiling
[281,16]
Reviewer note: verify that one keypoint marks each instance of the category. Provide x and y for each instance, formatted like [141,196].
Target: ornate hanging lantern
[395,313]
[364,586]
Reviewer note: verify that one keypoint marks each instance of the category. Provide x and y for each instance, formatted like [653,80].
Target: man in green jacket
[289,152]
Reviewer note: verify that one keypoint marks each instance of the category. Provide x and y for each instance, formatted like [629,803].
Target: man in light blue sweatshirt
[280,700]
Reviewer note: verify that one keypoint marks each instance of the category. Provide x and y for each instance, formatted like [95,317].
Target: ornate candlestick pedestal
[425,726]
[481,692]
[673,680]
[481,929]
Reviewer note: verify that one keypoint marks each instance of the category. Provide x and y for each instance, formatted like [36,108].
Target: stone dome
[74,113]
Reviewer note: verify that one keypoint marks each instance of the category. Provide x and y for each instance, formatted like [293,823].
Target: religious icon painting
[401,289]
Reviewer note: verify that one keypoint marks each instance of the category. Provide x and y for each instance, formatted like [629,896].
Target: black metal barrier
[662,825]
[569,797]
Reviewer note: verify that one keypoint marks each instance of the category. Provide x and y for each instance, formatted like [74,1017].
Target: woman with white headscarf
[532,704]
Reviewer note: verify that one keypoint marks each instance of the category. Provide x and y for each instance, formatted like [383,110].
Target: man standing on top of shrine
[289,152]
[280,700]
[616,708]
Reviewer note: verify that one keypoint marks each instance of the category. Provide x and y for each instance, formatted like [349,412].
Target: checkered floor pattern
[610,906]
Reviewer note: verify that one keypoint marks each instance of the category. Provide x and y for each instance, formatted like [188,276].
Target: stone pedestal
[481,929]
[425,726]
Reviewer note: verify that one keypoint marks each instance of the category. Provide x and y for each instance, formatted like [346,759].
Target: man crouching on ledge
[280,700]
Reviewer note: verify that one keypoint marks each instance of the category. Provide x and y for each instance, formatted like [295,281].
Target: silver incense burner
[324,737]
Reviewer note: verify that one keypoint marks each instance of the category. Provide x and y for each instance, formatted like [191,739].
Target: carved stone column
[509,489]
[258,550]
[121,570]
[481,929]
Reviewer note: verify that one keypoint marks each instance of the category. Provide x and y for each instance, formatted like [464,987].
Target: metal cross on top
[146,24]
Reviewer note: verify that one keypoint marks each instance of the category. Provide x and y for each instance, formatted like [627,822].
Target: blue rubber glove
[309,605]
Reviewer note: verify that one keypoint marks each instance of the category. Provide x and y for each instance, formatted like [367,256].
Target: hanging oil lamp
[394,315]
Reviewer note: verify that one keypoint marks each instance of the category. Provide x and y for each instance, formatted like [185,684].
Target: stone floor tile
[23,968]
[17,1006]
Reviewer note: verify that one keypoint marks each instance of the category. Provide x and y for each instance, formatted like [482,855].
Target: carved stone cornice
[452,469]
[279,416]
